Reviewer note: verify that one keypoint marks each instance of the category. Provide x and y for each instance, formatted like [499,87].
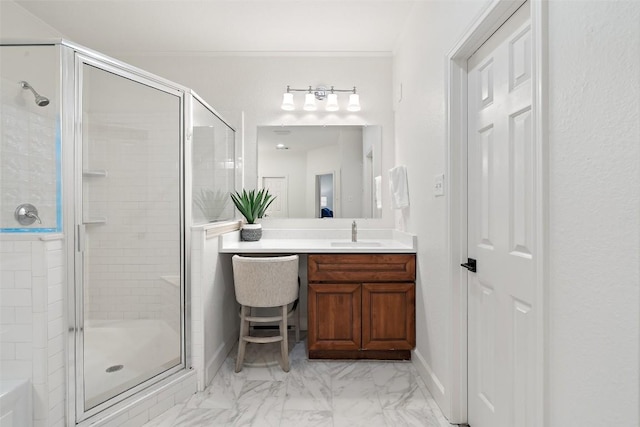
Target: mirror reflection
[321,171]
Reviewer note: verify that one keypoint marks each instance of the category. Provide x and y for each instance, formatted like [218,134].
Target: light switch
[438,185]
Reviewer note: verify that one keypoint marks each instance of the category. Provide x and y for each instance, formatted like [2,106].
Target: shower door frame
[73,59]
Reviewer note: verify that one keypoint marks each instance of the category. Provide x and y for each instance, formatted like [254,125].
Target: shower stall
[121,164]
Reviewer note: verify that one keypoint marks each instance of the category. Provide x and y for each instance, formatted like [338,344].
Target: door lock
[470,265]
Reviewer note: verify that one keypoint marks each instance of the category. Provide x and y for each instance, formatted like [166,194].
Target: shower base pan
[120,354]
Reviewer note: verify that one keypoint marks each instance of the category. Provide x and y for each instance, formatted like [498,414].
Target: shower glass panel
[129,227]
[213,165]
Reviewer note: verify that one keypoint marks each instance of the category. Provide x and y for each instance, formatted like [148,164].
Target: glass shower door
[130,240]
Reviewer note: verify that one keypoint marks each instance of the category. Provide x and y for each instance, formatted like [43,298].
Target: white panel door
[500,226]
[278,186]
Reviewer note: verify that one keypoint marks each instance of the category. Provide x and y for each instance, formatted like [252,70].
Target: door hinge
[470,265]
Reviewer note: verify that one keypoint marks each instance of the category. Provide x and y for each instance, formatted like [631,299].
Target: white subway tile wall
[134,256]
[32,322]
[27,165]
[15,257]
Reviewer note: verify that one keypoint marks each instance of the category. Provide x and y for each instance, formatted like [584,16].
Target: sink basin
[356,244]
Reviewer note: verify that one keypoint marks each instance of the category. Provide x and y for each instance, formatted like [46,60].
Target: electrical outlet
[438,185]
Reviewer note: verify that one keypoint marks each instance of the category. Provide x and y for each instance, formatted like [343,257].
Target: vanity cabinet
[361,306]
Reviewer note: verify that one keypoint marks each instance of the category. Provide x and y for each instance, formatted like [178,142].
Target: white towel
[399,187]
[378,193]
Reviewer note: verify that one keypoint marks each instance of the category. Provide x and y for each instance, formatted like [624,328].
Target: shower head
[41,101]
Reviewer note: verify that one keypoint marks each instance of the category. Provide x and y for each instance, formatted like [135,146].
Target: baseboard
[433,383]
[214,364]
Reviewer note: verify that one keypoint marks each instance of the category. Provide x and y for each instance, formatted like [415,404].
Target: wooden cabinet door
[334,316]
[388,316]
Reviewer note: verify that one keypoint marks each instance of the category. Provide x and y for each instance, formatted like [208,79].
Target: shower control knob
[27,214]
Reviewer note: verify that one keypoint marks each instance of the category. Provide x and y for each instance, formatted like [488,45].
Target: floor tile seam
[330,397]
[432,416]
[302,410]
[283,400]
[378,391]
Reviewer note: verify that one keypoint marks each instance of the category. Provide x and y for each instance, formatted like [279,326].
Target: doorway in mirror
[278,187]
[324,196]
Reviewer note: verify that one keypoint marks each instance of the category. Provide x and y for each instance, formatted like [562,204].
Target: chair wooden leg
[242,344]
[284,344]
[297,324]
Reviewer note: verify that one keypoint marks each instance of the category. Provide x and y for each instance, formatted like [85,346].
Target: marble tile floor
[314,393]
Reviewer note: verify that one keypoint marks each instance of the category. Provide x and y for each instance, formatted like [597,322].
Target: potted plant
[252,205]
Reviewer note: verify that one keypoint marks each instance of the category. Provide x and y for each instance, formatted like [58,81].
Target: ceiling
[227,26]
[300,138]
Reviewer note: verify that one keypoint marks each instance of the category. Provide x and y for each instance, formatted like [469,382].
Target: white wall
[254,85]
[420,121]
[594,199]
[372,168]
[351,185]
[594,161]
[18,24]
[214,315]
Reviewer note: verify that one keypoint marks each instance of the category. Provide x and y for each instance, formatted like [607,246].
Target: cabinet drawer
[362,268]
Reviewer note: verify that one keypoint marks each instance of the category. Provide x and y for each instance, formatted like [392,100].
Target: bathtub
[15,403]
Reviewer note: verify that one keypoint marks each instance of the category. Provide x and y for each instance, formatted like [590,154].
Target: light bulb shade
[309,102]
[354,102]
[287,102]
[332,102]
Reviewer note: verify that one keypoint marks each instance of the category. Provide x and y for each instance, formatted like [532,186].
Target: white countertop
[321,241]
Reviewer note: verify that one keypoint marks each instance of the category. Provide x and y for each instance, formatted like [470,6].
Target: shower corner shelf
[95,220]
[94,172]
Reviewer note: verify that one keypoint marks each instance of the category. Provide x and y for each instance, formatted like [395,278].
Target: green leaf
[252,204]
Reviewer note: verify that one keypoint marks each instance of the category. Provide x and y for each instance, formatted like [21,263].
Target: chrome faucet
[354,231]
[27,214]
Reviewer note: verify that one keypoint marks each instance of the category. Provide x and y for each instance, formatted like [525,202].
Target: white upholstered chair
[266,282]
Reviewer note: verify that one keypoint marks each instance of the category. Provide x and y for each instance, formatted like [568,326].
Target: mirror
[321,171]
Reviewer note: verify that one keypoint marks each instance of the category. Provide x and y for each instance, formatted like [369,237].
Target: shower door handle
[81,237]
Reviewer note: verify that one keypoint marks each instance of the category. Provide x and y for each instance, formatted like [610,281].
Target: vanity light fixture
[309,102]
[354,101]
[332,102]
[287,101]
[320,93]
